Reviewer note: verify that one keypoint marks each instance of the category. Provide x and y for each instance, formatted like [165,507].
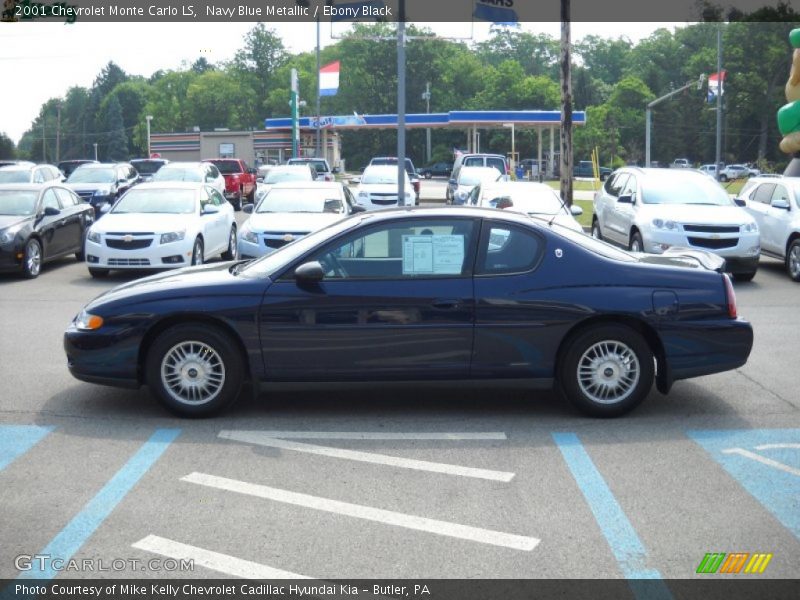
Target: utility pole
[427,97]
[295,109]
[401,104]
[58,133]
[95,150]
[566,105]
[318,144]
[649,114]
[44,138]
[148,118]
[718,156]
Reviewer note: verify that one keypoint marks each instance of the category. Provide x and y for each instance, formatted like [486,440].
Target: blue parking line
[628,549]
[16,440]
[69,540]
[765,462]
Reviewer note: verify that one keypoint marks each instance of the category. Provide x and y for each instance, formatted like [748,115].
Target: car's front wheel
[637,245]
[197,252]
[606,370]
[195,370]
[231,251]
[32,259]
[723,178]
[793,260]
[596,233]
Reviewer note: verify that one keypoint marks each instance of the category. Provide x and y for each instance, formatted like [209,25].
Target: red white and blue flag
[329,79]
[716,85]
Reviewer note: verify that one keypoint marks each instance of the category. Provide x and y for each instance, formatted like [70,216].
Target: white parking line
[466,532]
[258,438]
[763,460]
[222,563]
[790,446]
[376,435]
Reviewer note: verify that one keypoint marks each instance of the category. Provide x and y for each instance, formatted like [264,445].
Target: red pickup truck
[240,180]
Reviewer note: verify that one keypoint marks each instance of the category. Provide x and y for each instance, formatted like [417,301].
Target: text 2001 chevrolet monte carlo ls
[418,295]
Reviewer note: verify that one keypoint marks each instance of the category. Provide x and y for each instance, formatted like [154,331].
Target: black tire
[32,259]
[233,249]
[793,260]
[723,178]
[428,175]
[744,277]
[623,346]
[596,233]
[636,238]
[197,252]
[98,273]
[80,255]
[204,350]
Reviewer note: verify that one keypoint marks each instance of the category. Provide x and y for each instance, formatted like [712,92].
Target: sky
[41,60]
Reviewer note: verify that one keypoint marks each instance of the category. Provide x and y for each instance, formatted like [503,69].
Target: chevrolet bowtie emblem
[715,236]
[127,238]
[288,237]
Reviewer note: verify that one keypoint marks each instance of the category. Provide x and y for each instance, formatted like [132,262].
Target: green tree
[7,148]
[116,140]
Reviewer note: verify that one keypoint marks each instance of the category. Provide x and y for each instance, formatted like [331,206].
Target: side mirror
[50,211]
[252,171]
[248,208]
[781,204]
[625,199]
[357,208]
[355,180]
[740,202]
[210,209]
[576,211]
[310,272]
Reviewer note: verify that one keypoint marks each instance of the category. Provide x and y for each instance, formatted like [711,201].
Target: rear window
[497,163]
[227,167]
[148,167]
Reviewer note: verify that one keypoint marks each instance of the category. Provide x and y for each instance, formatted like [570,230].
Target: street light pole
[95,150]
[58,133]
[649,114]
[718,156]
[401,104]
[318,155]
[427,97]
[148,118]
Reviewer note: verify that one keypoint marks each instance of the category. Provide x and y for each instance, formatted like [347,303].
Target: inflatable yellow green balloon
[789,114]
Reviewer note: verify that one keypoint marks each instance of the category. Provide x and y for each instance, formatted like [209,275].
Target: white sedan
[535,199]
[469,177]
[200,172]
[291,210]
[378,187]
[162,226]
[281,173]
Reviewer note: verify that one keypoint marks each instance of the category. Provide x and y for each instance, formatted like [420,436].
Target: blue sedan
[452,294]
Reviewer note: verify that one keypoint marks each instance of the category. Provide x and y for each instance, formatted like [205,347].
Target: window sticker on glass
[433,254]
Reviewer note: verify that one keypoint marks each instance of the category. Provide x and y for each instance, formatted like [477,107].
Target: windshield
[178,202]
[532,201]
[319,165]
[17,203]
[670,189]
[15,176]
[594,245]
[84,175]
[226,167]
[177,174]
[278,175]
[271,264]
[147,167]
[303,200]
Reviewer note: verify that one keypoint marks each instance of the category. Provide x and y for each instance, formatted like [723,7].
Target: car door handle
[445,303]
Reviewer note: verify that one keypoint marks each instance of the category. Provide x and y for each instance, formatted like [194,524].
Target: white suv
[775,205]
[651,210]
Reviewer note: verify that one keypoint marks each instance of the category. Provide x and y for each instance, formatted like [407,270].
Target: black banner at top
[506,12]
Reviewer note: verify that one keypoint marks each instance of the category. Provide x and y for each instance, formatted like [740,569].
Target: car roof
[295,167]
[185,165]
[308,185]
[94,165]
[169,185]
[31,186]
[17,167]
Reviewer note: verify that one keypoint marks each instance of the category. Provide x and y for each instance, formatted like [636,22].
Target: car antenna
[563,205]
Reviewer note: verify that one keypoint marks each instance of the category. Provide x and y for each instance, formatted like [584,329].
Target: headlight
[363,195]
[7,236]
[101,192]
[172,236]
[750,227]
[88,322]
[94,236]
[662,224]
[248,235]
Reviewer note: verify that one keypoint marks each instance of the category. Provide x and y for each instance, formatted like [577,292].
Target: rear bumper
[698,348]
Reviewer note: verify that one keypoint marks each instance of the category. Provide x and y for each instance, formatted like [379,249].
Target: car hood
[378,188]
[90,187]
[698,214]
[178,283]
[291,222]
[134,223]
[7,221]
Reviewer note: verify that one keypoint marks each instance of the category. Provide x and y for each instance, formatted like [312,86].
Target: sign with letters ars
[433,254]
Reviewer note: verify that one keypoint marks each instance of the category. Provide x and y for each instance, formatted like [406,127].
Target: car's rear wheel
[195,370]
[637,245]
[231,251]
[723,178]
[793,260]
[596,233]
[197,252]
[32,259]
[98,273]
[606,370]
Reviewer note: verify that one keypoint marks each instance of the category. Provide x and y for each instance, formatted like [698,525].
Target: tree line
[613,80]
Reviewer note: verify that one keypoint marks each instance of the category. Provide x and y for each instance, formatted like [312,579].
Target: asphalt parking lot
[403,483]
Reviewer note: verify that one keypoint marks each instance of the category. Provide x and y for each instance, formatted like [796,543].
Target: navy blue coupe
[449,294]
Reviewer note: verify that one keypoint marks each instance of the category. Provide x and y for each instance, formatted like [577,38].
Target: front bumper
[10,258]
[154,256]
[106,358]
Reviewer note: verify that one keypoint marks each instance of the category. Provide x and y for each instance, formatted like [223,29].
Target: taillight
[730,296]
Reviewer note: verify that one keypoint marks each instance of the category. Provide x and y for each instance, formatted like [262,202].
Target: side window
[497,163]
[205,200]
[508,249]
[474,195]
[615,183]
[629,189]
[216,197]
[211,173]
[780,193]
[475,161]
[49,200]
[406,250]
[38,176]
[764,193]
[348,197]
[66,197]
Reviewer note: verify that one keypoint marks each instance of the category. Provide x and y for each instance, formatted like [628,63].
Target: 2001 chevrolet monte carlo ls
[448,294]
